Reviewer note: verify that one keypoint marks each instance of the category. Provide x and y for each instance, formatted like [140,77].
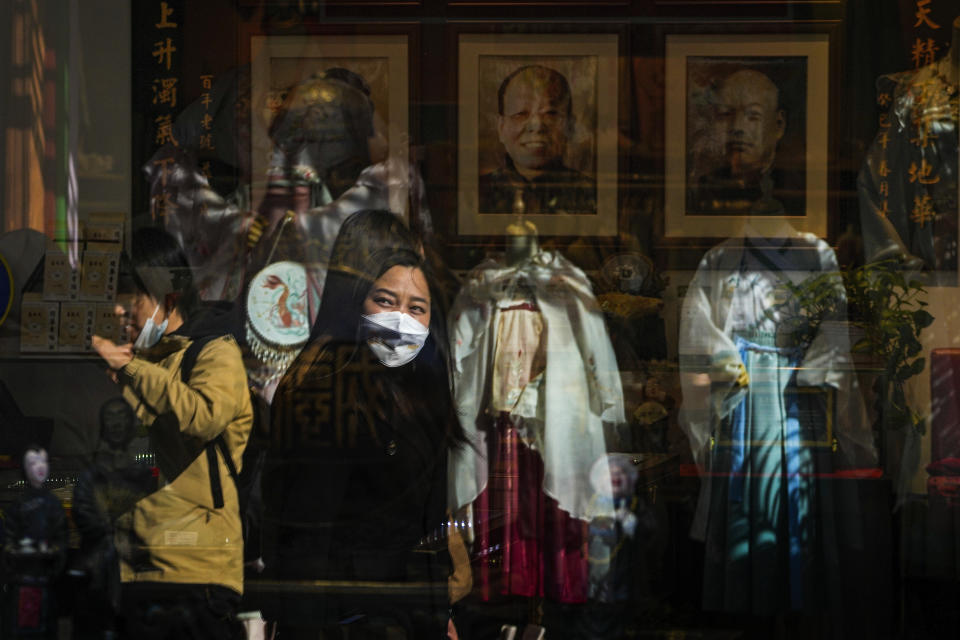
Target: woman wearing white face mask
[396,315]
[361,426]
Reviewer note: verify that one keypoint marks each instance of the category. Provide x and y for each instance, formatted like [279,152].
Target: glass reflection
[770,410]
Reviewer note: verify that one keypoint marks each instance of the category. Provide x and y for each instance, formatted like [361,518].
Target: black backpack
[247,480]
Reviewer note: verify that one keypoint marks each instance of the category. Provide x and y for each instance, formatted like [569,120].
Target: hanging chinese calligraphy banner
[157,85]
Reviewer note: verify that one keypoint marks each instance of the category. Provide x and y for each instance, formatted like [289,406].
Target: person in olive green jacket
[181,547]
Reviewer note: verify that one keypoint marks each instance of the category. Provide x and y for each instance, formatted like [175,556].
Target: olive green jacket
[175,534]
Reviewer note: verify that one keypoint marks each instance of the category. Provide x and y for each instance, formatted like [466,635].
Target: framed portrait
[280,62]
[746,131]
[538,133]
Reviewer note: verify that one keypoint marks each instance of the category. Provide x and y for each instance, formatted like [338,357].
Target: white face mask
[394,337]
[151,332]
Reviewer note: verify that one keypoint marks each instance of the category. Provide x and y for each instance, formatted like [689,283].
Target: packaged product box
[60,280]
[76,327]
[98,271]
[107,324]
[103,231]
[39,324]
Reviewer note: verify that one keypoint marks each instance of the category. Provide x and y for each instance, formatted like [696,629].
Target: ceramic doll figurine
[34,552]
[613,546]
[608,536]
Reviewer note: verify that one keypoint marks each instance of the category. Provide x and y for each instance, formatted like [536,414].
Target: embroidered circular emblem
[278,323]
[626,272]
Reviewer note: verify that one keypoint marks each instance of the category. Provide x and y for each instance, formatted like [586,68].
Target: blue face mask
[151,332]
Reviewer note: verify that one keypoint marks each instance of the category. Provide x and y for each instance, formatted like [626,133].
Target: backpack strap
[227,458]
[215,488]
[191,354]
[186,368]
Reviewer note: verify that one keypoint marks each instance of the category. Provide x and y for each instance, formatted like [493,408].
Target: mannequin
[536,380]
[753,411]
[908,183]
[35,551]
[326,161]
[523,243]
[39,516]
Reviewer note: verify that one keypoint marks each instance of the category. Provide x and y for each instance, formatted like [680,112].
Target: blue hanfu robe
[769,411]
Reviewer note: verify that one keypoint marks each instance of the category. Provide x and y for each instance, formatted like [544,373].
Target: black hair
[366,233]
[559,88]
[359,252]
[429,372]
[31,445]
[370,243]
[159,267]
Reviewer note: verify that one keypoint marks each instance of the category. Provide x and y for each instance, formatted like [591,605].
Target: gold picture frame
[279,62]
[827,402]
[590,64]
[699,199]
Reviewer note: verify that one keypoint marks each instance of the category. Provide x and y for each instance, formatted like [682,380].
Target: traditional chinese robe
[535,379]
[764,405]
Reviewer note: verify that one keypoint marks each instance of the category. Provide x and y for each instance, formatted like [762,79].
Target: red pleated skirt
[526,545]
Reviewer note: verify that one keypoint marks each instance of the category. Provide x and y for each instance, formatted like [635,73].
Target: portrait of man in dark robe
[535,121]
[738,146]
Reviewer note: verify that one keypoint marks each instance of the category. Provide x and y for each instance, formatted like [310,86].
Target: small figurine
[608,535]
[104,491]
[34,552]
[612,547]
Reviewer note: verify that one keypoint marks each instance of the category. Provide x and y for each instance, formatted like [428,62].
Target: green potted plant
[886,314]
[889,311]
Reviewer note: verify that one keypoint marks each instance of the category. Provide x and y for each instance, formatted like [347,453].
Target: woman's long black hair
[369,244]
